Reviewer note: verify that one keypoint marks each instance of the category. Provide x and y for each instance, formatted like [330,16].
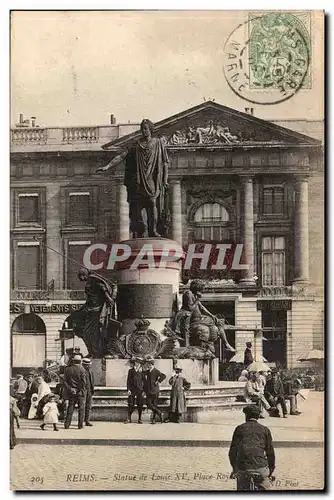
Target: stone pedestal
[200,372]
[148,282]
[116,371]
[99,372]
[166,367]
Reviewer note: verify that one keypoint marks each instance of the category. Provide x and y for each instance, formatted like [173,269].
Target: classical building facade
[234,179]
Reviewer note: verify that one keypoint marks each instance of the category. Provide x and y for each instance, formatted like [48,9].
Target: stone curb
[202,443]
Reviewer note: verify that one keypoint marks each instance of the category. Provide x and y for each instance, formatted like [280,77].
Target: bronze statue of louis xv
[146,180]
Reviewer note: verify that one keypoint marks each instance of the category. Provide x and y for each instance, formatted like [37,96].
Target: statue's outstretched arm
[114,162]
[205,310]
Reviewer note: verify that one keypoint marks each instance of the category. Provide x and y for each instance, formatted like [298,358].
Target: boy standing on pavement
[135,388]
[152,379]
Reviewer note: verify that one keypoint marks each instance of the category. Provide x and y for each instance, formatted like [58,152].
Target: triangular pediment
[213,125]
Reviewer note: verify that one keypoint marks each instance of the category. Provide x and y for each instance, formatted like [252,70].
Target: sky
[76,68]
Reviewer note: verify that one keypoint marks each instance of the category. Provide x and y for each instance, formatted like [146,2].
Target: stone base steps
[110,403]
[195,412]
[198,400]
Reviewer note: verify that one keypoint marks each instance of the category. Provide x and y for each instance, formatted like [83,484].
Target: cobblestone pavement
[49,467]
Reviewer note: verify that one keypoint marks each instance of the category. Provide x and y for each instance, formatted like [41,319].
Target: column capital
[301,178]
[246,178]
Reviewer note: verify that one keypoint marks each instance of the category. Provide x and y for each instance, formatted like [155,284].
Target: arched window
[211,222]
[28,341]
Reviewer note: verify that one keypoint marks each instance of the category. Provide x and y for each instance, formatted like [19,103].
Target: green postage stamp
[279,50]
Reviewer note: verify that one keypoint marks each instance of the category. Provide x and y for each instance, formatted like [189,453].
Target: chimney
[33,121]
[112,120]
[249,111]
[21,118]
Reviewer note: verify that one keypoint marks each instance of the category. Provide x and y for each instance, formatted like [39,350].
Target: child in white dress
[33,406]
[50,412]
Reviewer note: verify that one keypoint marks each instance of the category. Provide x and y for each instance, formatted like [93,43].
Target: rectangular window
[27,265]
[80,209]
[273,261]
[273,200]
[75,254]
[28,208]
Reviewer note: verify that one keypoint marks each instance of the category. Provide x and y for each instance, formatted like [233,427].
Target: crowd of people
[33,399]
[267,389]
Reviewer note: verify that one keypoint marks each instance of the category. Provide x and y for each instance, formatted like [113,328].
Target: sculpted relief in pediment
[214,133]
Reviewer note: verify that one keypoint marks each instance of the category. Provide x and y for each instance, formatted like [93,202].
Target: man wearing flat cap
[252,450]
[135,388]
[152,379]
[89,391]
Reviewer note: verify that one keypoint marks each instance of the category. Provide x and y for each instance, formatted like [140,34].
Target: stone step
[196,399]
[209,390]
[118,412]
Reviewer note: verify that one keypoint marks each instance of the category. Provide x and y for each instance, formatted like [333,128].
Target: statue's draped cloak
[144,172]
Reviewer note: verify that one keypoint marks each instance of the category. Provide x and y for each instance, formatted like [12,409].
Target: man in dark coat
[178,404]
[274,393]
[62,402]
[135,388]
[252,450]
[248,355]
[86,363]
[75,382]
[152,379]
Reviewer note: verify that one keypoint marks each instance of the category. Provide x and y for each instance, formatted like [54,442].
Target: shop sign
[273,305]
[16,308]
[54,308]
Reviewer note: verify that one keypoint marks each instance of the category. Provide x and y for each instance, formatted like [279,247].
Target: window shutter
[27,267]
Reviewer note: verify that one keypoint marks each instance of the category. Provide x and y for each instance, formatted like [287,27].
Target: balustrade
[46,295]
[80,134]
[29,135]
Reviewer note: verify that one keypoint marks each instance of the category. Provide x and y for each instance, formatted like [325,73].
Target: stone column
[301,274]
[248,228]
[176,212]
[123,212]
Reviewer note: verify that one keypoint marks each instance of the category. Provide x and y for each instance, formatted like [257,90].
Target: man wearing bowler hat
[135,388]
[89,391]
[152,379]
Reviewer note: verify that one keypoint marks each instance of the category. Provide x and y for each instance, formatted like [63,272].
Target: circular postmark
[267,58]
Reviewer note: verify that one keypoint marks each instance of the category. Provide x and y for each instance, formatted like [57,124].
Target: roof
[242,128]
